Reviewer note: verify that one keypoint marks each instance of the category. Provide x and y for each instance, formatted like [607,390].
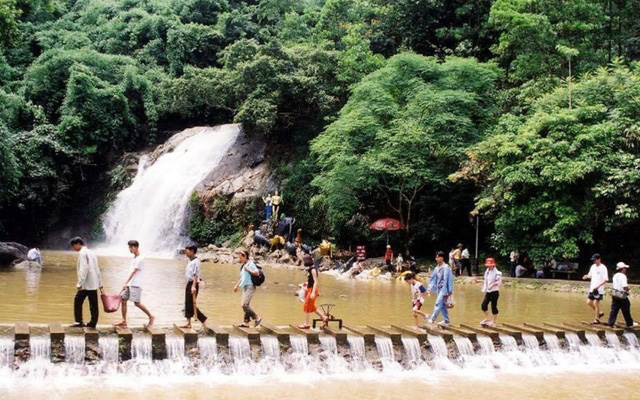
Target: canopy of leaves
[401,134]
[555,180]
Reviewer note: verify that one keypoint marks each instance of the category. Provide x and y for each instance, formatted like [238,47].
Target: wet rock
[12,253]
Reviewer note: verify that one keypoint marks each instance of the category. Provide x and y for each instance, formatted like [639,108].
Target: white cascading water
[299,344]
[329,344]
[270,346]
[357,350]
[384,345]
[486,345]
[108,346]
[412,350]
[552,342]
[40,348]
[464,345]
[141,348]
[240,350]
[593,339]
[208,349]
[154,210]
[74,349]
[613,340]
[7,349]
[175,347]
[632,340]
[573,340]
[441,352]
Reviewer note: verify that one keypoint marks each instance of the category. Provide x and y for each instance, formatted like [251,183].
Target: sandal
[596,322]
[304,327]
[243,325]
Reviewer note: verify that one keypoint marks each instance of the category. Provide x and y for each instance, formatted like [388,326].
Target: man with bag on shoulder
[620,297]
[245,283]
[89,281]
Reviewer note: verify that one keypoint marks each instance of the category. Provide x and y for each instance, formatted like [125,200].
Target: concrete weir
[174,341]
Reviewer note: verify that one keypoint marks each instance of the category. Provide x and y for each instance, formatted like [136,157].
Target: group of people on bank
[441,283]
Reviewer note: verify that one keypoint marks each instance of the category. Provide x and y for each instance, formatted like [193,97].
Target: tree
[400,133]
[554,181]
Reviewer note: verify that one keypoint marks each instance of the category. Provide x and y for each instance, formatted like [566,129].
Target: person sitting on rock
[277,242]
[34,255]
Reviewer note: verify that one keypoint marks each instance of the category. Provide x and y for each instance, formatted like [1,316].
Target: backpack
[259,279]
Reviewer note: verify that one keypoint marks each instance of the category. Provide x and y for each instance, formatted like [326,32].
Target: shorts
[309,303]
[417,305]
[132,293]
[598,296]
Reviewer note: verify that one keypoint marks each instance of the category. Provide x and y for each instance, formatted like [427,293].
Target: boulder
[12,253]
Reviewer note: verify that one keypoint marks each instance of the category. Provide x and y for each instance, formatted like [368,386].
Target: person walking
[514,257]
[491,289]
[312,292]
[417,297]
[599,277]
[132,288]
[465,261]
[245,283]
[88,283]
[620,297]
[442,283]
[191,290]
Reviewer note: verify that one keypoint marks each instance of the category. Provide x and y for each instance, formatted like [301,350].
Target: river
[47,296]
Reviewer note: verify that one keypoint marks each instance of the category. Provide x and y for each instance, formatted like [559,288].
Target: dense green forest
[524,111]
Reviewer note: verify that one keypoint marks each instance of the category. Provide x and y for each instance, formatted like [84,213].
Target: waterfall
[412,349]
[141,349]
[356,346]
[386,353]
[270,346]
[613,340]
[632,340]
[175,347]
[593,339]
[508,342]
[40,347]
[486,345]
[74,348]
[299,344]
[154,210]
[329,344]
[552,342]
[208,348]
[438,346]
[573,340]
[530,342]
[464,345]
[7,349]
[240,348]
[109,348]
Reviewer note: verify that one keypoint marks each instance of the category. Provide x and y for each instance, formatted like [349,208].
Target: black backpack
[259,279]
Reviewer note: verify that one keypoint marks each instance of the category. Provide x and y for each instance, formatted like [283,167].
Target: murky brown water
[47,296]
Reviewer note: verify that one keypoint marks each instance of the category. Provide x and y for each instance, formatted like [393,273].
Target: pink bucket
[110,302]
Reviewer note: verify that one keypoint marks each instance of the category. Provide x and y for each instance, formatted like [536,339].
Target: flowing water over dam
[275,367]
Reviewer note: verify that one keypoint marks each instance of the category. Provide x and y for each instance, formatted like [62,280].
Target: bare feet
[121,324]
[151,321]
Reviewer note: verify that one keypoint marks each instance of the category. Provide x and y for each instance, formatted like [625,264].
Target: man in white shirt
[620,297]
[89,281]
[132,288]
[34,255]
[599,277]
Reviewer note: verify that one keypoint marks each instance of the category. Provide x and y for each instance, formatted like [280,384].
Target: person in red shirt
[388,258]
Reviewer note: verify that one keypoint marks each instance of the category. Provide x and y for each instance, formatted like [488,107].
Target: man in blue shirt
[248,289]
[442,283]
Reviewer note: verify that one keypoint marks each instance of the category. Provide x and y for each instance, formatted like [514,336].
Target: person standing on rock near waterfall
[277,201]
[132,288]
[89,281]
[194,281]
[442,283]
[599,277]
[245,283]
[268,207]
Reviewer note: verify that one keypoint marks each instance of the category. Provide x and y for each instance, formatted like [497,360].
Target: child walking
[312,292]
[417,297]
[132,289]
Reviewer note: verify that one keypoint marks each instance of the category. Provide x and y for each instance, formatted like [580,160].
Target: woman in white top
[599,277]
[620,297]
[491,289]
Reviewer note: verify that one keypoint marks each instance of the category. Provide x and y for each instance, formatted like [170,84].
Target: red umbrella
[386,224]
